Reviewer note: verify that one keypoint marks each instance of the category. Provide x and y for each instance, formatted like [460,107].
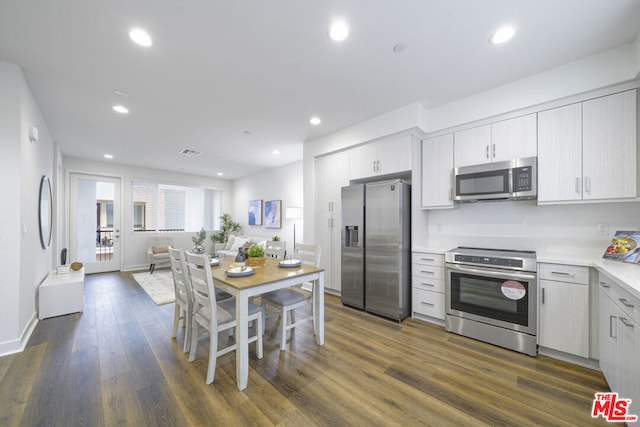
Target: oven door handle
[500,274]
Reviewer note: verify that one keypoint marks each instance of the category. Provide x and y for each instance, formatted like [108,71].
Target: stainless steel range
[491,295]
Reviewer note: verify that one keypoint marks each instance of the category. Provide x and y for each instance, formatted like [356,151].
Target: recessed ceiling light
[275,152]
[120,109]
[246,132]
[141,37]
[108,156]
[338,31]
[502,35]
[315,121]
[219,174]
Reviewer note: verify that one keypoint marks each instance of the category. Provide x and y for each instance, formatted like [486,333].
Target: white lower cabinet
[564,308]
[427,286]
[620,340]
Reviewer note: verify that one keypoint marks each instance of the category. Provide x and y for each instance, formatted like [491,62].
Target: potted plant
[197,240]
[255,256]
[227,228]
[276,238]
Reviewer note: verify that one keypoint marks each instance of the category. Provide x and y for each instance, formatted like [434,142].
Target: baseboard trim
[18,346]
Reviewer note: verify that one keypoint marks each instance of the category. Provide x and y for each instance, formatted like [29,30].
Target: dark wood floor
[115,364]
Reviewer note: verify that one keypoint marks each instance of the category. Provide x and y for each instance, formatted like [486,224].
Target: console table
[61,294]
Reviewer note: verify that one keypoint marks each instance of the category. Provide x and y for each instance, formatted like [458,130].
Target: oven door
[501,298]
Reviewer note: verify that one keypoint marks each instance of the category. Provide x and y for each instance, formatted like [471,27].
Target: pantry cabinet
[330,176]
[383,157]
[437,172]
[588,150]
[504,140]
[564,308]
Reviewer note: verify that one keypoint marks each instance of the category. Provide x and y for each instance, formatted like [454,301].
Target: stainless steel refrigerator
[376,257]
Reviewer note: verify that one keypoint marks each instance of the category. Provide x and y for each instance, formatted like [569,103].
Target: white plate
[290,263]
[214,262]
[239,271]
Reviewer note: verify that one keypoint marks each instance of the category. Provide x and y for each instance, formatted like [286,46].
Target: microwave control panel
[522,179]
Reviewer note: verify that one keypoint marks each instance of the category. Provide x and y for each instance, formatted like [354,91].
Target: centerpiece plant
[197,240]
[255,256]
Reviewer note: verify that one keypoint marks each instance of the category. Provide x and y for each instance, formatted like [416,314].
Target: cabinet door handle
[562,273]
[625,302]
[427,284]
[431,272]
[578,184]
[450,194]
[542,298]
[426,259]
[625,322]
[494,151]
[604,285]
[611,323]
[427,303]
[587,184]
[487,151]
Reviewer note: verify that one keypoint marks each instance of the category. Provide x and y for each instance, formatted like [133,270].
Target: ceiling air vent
[190,153]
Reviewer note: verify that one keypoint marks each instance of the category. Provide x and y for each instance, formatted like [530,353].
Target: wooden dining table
[266,279]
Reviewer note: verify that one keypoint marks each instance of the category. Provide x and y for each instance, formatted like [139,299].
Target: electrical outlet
[603,229]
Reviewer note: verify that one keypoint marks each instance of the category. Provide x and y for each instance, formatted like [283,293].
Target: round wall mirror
[46,212]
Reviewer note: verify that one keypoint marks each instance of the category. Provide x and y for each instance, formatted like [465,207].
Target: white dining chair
[182,288]
[213,315]
[275,249]
[286,301]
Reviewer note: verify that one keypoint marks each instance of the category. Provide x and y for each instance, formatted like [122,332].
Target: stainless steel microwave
[510,180]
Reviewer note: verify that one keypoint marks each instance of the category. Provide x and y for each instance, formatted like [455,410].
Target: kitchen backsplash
[525,225]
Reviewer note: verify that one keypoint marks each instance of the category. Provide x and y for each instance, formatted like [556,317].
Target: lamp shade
[293,213]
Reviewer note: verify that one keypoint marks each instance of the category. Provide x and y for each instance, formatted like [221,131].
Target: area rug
[159,286]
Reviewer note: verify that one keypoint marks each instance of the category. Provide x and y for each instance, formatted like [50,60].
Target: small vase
[198,249]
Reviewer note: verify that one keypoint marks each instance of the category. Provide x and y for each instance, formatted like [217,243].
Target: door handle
[587,185]
[578,184]
[487,151]
[625,322]
[625,302]
[427,303]
[611,323]
[604,285]
[494,151]
[542,302]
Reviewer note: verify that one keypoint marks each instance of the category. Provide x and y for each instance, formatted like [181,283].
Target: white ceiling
[219,68]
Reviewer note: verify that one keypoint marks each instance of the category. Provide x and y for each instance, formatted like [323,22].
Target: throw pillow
[229,242]
[160,249]
[238,242]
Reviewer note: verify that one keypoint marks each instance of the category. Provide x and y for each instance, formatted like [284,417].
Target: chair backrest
[202,288]
[308,254]
[180,271]
[275,249]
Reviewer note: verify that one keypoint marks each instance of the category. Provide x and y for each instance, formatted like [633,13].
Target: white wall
[134,245]
[23,262]
[283,183]
[593,72]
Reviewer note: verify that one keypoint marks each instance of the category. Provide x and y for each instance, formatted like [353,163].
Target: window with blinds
[161,207]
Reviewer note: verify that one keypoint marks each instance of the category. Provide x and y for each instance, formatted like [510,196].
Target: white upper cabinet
[472,146]
[609,144]
[588,150]
[437,172]
[505,140]
[380,158]
[560,154]
[514,138]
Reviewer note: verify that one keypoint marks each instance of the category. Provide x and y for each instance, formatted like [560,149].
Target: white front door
[94,210]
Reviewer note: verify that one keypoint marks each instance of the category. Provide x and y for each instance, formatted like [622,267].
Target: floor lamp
[294,214]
